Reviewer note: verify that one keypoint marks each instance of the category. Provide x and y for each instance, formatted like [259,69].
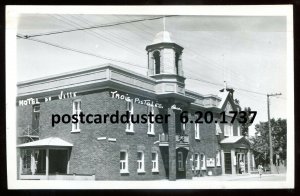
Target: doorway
[228,169]
[181,156]
[58,161]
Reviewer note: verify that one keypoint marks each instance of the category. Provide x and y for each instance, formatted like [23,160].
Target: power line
[111,59]
[97,26]
[78,51]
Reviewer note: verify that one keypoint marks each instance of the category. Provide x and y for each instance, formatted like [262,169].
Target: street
[245,177]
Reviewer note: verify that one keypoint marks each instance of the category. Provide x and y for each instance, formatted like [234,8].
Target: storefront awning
[47,142]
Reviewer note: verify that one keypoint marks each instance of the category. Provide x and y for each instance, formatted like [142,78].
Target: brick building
[127,151]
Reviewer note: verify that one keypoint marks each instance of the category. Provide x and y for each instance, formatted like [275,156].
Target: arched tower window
[156,57]
[177,63]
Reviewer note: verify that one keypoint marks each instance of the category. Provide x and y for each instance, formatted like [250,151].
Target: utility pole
[270,130]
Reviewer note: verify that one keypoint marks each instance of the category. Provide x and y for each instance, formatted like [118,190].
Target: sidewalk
[243,177]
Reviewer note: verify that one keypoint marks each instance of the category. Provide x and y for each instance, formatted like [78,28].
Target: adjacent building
[127,151]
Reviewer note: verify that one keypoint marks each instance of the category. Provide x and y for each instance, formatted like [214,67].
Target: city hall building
[127,151]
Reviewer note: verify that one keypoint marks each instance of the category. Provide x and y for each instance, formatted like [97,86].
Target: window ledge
[155,170]
[75,131]
[129,131]
[150,133]
[124,172]
[141,171]
[197,139]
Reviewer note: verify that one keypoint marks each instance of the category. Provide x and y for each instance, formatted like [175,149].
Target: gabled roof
[223,96]
[51,141]
[234,140]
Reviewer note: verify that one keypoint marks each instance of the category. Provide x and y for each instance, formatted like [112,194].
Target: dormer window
[156,56]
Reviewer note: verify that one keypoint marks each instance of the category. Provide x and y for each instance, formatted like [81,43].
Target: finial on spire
[225,85]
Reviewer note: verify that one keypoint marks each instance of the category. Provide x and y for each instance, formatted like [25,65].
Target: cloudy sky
[247,52]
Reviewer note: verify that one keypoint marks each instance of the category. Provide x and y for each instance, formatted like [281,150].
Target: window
[140,162]
[218,159]
[129,126]
[197,131]
[202,161]
[177,62]
[218,129]
[156,57]
[180,161]
[36,108]
[197,162]
[183,128]
[238,130]
[228,130]
[123,162]
[154,162]
[76,110]
[35,117]
[192,162]
[151,125]
[228,109]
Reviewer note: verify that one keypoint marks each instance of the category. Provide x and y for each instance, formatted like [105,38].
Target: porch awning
[234,140]
[47,142]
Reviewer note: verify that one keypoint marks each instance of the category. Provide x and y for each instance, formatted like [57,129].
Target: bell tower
[165,64]
[164,56]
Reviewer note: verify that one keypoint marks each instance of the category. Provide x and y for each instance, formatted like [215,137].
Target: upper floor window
[177,62]
[218,129]
[123,162]
[140,161]
[183,125]
[129,107]
[35,117]
[154,162]
[228,129]
[77,111]
[151,125]
[197,131]
[239,130]
[156,56]
[228,109]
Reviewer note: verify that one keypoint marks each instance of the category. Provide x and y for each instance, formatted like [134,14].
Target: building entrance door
[58,161]
[181,155]
[228,169]
[241,163]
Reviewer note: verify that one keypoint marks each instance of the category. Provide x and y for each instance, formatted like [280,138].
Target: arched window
[177,55]
[156,57]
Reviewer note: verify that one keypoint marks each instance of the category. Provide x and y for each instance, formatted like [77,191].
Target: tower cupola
[164,56]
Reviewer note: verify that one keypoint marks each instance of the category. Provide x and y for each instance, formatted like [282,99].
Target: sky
[248,52]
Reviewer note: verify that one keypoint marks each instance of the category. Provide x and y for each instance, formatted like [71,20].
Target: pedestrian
[242,166]
[260,170]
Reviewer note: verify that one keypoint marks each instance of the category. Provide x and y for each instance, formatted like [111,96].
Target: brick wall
[102,158]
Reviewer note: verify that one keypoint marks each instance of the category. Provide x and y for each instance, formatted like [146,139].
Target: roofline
[81,71]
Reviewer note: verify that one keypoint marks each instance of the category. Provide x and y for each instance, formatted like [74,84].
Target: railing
[164,138]
[29,133]
[182,139]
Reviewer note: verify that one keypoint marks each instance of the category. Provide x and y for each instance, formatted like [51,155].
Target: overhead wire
[29,37]
[98,26]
